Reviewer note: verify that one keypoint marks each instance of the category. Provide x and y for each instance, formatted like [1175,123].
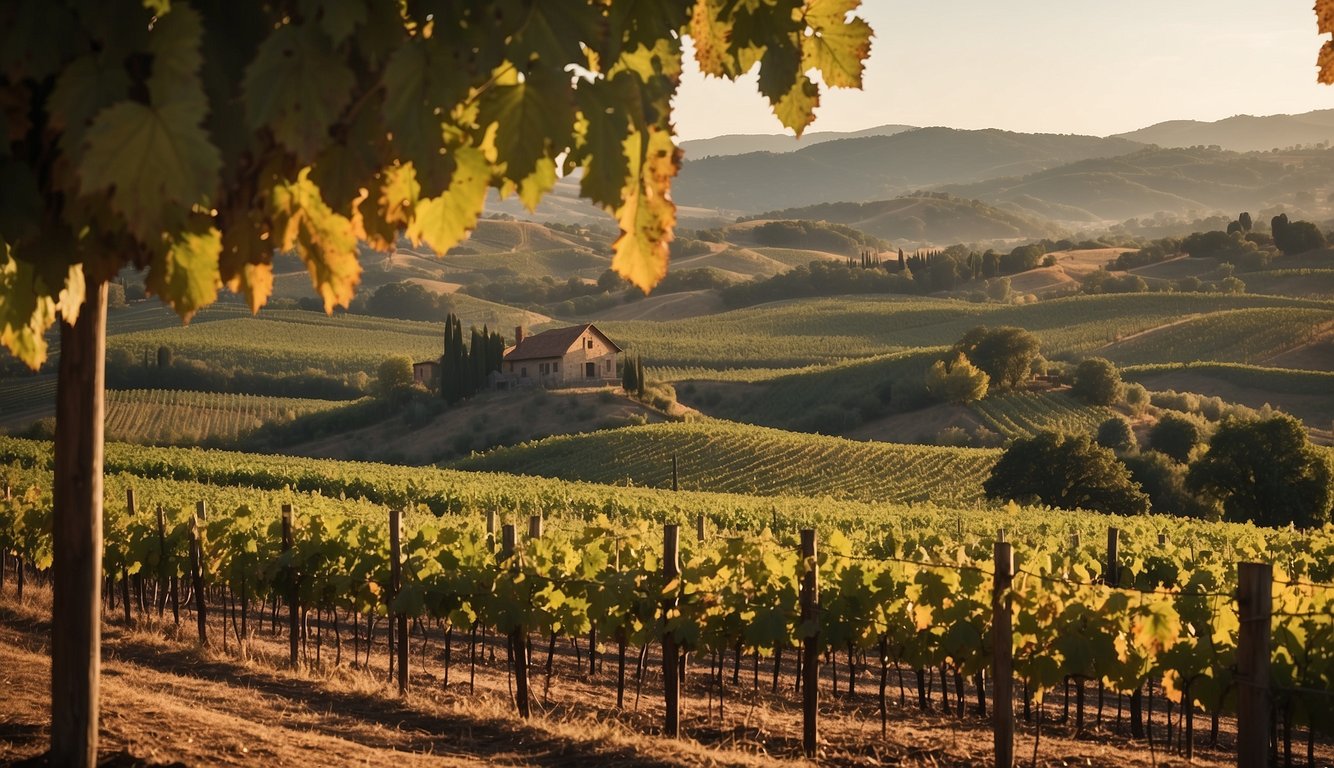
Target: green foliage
[1066,471]
[1295,237]
[1115,433]
[1266,472]
[1176,435]
[1006,353]
[394,374]
[1097,381]
[197,141]
[1163,479]
[958,381]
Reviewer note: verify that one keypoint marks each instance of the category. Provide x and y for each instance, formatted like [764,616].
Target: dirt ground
[168,701]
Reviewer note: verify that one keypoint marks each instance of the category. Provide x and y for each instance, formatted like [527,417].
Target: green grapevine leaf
[296,86]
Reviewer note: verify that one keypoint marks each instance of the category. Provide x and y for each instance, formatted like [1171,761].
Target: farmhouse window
[606,365]
[590,370]
[523,372]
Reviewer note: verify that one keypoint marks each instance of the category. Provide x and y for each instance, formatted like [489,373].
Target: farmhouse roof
[553,343]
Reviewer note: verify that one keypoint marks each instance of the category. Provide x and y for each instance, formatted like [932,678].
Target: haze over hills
[1171,180]
[742,143]
[878,167]
[1241,133]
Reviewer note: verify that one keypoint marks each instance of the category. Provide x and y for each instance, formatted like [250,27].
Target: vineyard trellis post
[1112,575]
[197,575]
[1254,610]
[1002,672]
[535,527]
[700,528]
[289,582]
[173,585]
[810,626]
[491,530]
[671,676]
[518,636]
[124,568]
[400,625]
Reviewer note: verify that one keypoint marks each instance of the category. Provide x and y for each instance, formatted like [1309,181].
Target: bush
[958,381]
[1115,433]
[1065,471]
[1136,397]
[1231,285]
[1097,381]
[1164,481]
[1177,436]
[394,374]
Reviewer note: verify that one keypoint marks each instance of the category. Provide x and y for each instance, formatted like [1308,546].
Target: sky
[1052,66]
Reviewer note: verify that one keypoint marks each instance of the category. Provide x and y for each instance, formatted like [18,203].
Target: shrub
[1164,481]
[1136,397]
[958,381]
[1097,381]
[1066,471]
[1177,436]
[1115,433]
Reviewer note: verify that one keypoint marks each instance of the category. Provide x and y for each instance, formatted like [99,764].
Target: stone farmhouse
[580,355]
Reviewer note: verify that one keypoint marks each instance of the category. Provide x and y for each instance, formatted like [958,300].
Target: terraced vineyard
[1023,414]
[1240,336]
[738,458]
[175,417]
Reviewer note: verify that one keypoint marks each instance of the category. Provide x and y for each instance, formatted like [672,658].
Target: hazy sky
[1058,66]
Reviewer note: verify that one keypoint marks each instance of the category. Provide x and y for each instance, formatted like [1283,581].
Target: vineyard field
[1239,336]
[738,458]
[175,417]
[1024,414]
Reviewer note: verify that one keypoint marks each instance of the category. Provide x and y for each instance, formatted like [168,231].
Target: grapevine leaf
[541,181]
[607,126]
[87,86]
[837,47]
[185,273]
[646,215]
[712,37]
[553,30]
[324,239]
[532,118]
[420,85]
[338,18]
[255,283]
[174,43]
[443,221]
[296,86]
[154,160]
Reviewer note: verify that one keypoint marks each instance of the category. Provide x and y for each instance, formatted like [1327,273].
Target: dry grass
[166,700]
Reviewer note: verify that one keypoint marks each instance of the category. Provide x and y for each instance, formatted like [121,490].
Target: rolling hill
[878,167]
[1241,133]
[741,143]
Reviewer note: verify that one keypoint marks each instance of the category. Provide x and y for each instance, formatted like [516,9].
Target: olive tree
[194,139]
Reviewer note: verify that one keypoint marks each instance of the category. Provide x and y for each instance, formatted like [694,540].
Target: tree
[957,381]
[1115,434]
[998,289]
[1164,481]
[1065,471]
[1136,397]
[1293,237]
[1006,353]
[394,375]
[630,374]
[1266,472]
[194,139]
[1097,381]
[1177,436]
[1245,221]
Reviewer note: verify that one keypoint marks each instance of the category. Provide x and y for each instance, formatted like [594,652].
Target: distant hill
[741,143]
[1171,180]
[927,218]
[878,167]
[1241,133]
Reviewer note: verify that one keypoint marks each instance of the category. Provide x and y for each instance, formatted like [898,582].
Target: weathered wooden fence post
[400,629]
[124,570]
[290,583]
[1002,671]
[535,527]
[518,638]
[700,528]
[671,676]
[1254,609]
[491,530]
[197,575]
[810,624]
[1112,574]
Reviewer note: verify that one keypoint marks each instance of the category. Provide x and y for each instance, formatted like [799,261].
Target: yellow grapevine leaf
[647,214]
[1325,61]
[399,194]
[837,47]
[711,35]
[796,108]
[541,181]
[255,283]
[443,221]
[324,239]
[185,273]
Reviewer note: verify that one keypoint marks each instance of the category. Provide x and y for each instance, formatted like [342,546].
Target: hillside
[927,219]
[739,458]
[878,167]
[1148,181]
[742,143]
[1241,133]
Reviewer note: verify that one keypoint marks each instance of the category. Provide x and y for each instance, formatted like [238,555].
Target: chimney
[518,334]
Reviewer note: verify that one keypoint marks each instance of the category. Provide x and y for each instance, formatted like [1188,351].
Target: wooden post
[171,581]
[395,585]
[76,532]
[700,524]
[518,639]
[674,472]
[290,584]
[671,675]
[491,530]
[197,578]
[124,573]
[1254,609]
[810,626]
[534,527]
[1002,672]
[1112,575]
